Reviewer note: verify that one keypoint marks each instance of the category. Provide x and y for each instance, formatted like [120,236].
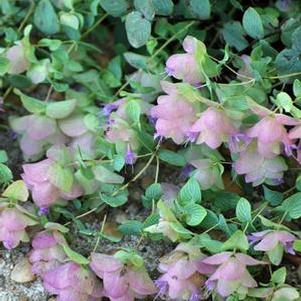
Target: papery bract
[47,251]
[274,243]
[213,128]
[174,114]
[186,66]
[121,281]
[182,270]
[13,225]
[72,282]
[44,192]
[258,169]
[37,132]
[18,61]
[231,274]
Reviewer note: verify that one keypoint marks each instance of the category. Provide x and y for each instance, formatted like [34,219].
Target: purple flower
[13,225]
[274,242]
[187,169]
[47,252]
[43,211]
[213,128]
[230,273]
[72,282]
[122,281]
[238,142]
[182,273]
[186,66]
[175,115]
[109,108]
[130,157]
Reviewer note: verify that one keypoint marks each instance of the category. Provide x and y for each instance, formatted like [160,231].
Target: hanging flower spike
[72,282]
[185,66]
[270,131]
[174,115]
[231,274]
[274,243]
[47,252]
[257,169]
[121,281]
[182,274]
[12,227]
[213,128]
[44,193]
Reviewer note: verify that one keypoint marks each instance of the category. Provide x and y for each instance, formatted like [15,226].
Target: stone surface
[22,272]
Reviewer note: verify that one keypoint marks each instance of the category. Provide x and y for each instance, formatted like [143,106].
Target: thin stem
[101,231]
[94,26]
[30,11]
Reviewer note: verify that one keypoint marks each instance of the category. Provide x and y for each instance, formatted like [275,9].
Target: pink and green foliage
[228,117]
[50,182]
[13,224]
[72,282]
[47,251]
[183,273]
[231,274]
[124,277]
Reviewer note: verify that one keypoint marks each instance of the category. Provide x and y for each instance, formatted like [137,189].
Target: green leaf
[238,240]
[252,23]
[4,65]
[61,177]
[292,205]
[118,162]
[60,109]
[279,276]
[273,197]
[91,122]
[163,7]
[17,191]
[31,104]
[133,111]
[56,226]
[172,158]
[74,256]
[138,29]
[213,246]
[297,245]
[136,60]
[195,214]
[243,210]
[190,192]
[284,101]
[52,44]
[45,18]
[233,34]
[297,87]
[152,193]
[201,9]
[115,8]
[131,227]
[115,201]
[5,174]
[146,8]
[3,156]
[102,174]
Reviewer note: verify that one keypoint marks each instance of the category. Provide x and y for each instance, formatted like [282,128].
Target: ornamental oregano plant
[199,100]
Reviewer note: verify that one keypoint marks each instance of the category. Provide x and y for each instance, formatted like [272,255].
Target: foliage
[95,89]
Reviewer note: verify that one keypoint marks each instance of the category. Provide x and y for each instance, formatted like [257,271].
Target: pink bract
[185,66]
[121,282]
[174,115]
[13,225]
[72,282]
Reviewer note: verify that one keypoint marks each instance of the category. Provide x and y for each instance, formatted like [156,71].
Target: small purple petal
[162,286]
[43,211]
[194,297]
[188,168]
[130,157]
[8,244]
[210,285]
[289,248]
[192,136]
[238,142]
[169,71]
[108,109]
